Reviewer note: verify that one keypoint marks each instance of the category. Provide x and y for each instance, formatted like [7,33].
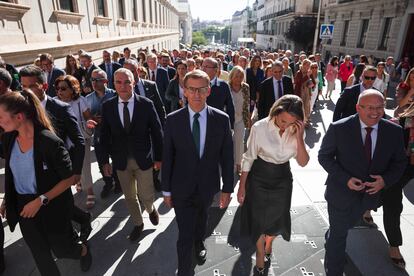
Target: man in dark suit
[52,73]
[362,154]
[109,67]
[220,95]
[197,142]
[165,63]
[131,135]
[272,89]
[346,104]
[127,55]
[66,126]
[160,76]
[146,88]
[87,63]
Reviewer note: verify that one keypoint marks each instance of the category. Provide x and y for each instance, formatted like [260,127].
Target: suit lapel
[379,146]
[272,96]
[134,114]
[116,115]
[357,138]
[189,134]
[209,129]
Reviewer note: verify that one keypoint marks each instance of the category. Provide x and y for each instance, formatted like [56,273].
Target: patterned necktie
[196,132]
[127,119]
[368,144]
[279,83]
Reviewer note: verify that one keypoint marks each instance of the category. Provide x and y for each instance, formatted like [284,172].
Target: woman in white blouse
[265,188]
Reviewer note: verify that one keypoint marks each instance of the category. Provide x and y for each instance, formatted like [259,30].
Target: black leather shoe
[200,252]
[136,232]
[154,217]
[86,261]
[268,260]
[117,188]
[106,190]
[85,229]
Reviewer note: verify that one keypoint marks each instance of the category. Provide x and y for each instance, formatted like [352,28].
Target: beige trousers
[137,183]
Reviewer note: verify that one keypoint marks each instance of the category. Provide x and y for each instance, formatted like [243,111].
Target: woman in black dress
[265,188]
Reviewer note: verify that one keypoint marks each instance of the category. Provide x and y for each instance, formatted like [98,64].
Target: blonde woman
[240,92]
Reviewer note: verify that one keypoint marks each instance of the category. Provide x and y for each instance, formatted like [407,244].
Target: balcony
[279,13]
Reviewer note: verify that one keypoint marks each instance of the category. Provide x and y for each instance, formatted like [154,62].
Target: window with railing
[344,33]
[383,42]
[363,33]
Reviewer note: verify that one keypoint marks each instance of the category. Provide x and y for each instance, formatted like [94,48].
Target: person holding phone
[265,188]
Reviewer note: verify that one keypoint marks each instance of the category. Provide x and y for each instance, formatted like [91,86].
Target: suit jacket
[115,66]
[345,106]
[220,98]
[88,75]
[342,156]
[52,164]
[66,126]
[184,173]
[173,95]
[55,73]
[151,92]
[171,72]
[144,137]
[267,95]
[162,82]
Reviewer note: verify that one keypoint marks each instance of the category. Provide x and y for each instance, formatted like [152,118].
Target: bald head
[370,93]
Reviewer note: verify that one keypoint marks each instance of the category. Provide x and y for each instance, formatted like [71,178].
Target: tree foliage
[301,31]
[199,38]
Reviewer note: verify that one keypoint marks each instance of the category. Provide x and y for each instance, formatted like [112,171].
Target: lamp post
[315,39]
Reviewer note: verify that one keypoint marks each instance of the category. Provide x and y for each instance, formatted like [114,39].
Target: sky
[216,9]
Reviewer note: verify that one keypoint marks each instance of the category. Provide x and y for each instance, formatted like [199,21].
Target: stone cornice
[101,20]
[12,9]
[71,17]
[121,22]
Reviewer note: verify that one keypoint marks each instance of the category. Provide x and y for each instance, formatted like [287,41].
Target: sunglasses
[369,78]
[97,79]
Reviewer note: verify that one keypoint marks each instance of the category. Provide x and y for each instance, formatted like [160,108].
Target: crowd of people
[177,122]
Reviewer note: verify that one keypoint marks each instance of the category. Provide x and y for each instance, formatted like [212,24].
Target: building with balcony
[240,24]
[379,28]
[60,27]
[273,21]
[185,22]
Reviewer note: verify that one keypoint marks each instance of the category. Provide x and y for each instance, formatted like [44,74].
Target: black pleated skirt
[266,209]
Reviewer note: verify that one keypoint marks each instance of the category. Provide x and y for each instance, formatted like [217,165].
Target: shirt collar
[130,100]
[213,81]
[44,101]
[274,128]
[363,125]
[202,113]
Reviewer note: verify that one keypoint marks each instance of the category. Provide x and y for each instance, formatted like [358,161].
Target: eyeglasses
[209,67]
[373,108]
[97,79]
[369,78]
[200,90]
[61,88]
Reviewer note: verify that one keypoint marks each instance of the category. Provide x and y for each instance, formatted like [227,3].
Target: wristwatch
[44,199]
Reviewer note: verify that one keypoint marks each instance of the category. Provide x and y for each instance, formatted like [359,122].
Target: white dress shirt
[265,142]
[374,135]
[121,108]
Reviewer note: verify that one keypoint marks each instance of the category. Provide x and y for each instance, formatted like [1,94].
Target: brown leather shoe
[136,232]
[154,217]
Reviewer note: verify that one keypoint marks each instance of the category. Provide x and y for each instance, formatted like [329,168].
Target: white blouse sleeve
[251,154]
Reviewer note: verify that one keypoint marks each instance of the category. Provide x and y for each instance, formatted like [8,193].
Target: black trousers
[42,241]
[340,221]
[392,207]
[191,215]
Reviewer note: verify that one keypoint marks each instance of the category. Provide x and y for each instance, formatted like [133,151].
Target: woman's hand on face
[30,209]
[300,129]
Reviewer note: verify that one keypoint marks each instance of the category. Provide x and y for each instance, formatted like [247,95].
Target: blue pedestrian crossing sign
[326,31]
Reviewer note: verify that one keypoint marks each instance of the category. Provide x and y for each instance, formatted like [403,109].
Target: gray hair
[100,72]
[277,63]
[124,71]
[132,62]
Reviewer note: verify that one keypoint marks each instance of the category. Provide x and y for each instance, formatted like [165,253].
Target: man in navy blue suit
[52,73]
[220,95]
[109,67]
[160,76]
[363,154]
[197,143]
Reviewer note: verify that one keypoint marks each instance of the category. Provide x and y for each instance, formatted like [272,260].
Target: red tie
[368,144]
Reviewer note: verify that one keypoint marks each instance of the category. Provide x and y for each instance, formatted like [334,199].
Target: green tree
[226,35]
[199,38]
[301,31]
[211,31]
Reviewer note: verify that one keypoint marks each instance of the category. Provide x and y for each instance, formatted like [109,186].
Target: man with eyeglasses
[346,104]
[109,67]
[100,94]
[363,155]
[131,135]
[272,89]
[220,95]
[197,142]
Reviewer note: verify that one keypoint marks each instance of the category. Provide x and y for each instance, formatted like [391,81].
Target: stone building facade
[186,29]
[59,27]
[240,24]
[274,17]
[378,28]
